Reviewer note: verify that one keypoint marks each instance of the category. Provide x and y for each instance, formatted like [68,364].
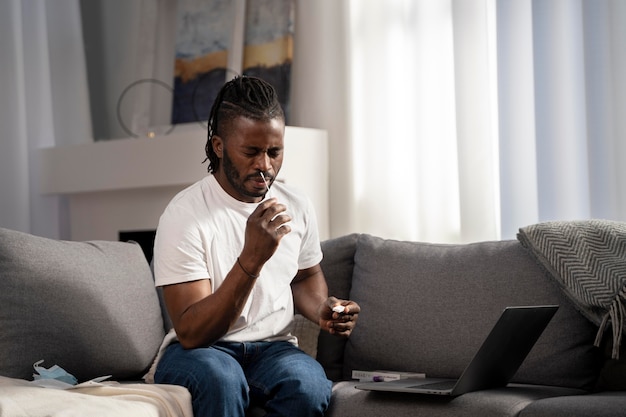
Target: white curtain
[449,120]
[466,119]
[421,110]
[561,98]
[43,103]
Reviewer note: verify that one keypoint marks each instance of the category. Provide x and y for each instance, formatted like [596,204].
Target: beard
[234,178]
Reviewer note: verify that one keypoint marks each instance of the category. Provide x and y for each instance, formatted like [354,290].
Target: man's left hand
[339,316]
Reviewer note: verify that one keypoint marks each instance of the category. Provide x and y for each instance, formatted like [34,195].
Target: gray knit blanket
[588,261]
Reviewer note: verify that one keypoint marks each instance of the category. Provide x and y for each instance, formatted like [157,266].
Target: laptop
[498,358]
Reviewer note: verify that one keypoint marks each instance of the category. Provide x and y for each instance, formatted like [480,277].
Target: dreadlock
[245,96]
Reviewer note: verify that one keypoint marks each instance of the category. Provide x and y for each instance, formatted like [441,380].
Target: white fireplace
[125,184]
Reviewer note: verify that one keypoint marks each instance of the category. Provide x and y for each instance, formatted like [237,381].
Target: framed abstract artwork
[219,39]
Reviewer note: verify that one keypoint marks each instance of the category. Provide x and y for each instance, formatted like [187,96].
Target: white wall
[320,98]
[124,185]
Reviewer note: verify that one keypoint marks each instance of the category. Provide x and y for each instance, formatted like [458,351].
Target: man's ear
[218,146]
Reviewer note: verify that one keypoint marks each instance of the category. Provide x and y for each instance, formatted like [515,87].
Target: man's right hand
[265,228]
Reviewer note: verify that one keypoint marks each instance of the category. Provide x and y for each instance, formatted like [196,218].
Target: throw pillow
[89,307]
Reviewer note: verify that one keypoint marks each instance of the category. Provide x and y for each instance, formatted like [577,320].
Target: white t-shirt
[200,235]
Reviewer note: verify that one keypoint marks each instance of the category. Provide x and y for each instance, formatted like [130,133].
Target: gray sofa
[91,308]
[427,307]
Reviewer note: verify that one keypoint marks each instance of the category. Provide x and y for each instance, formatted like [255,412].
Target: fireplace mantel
[124,184]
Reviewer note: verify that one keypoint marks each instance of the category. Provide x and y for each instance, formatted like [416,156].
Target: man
[234,254]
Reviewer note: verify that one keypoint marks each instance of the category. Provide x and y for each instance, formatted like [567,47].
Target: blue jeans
[227,378]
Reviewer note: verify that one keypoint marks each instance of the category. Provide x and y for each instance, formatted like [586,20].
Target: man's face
[251,147]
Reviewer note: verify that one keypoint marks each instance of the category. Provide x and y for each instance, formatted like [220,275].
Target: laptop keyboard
[442,385]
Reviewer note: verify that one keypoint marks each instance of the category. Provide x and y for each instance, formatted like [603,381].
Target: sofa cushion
[338,265]
[349,402]
[428,307]
[602,404]
[89,307]
[613,374]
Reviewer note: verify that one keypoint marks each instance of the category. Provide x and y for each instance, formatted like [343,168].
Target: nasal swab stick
[265,181]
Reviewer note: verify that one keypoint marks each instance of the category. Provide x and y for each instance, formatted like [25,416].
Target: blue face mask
[54,372]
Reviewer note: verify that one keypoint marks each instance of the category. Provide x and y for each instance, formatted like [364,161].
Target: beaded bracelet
[246,271]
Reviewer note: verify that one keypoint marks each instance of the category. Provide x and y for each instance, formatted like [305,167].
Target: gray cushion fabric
[606,404]
[307,333]
[350,402]
[89,307]
[427,307]
[613,374]
[167,321]
[338,265]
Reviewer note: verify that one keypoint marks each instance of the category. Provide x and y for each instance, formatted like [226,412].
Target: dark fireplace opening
[145,238]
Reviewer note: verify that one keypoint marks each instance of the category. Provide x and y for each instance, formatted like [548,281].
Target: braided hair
[245,96]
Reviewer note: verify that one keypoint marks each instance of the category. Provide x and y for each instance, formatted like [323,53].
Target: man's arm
[200,315]
[310,294]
